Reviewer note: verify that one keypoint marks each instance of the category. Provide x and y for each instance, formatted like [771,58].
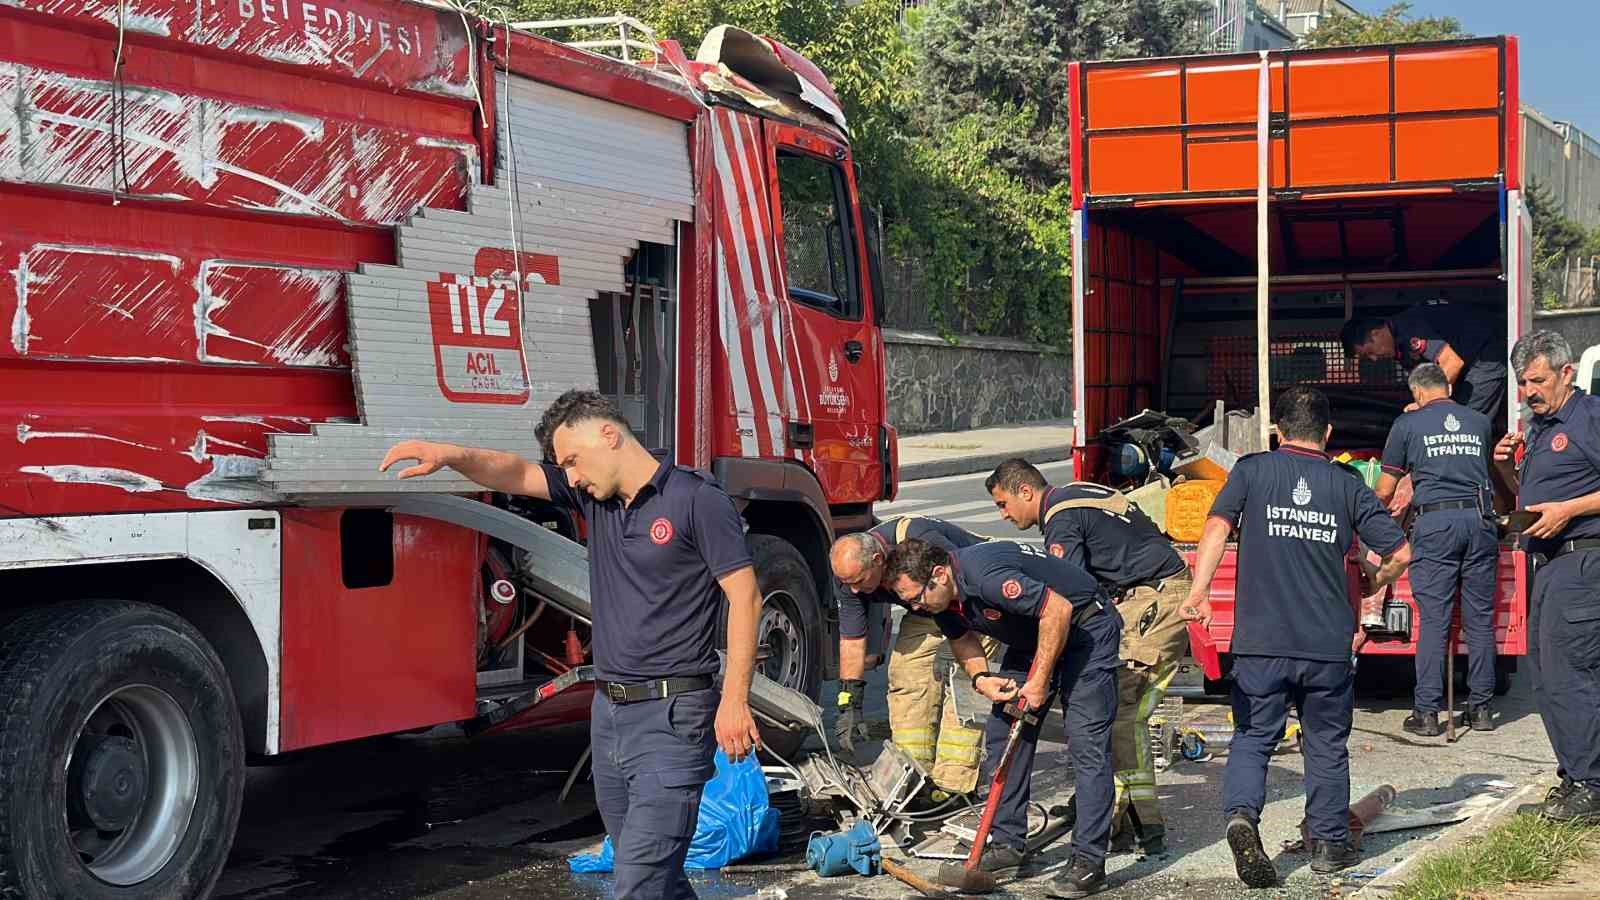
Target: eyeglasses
[917,603]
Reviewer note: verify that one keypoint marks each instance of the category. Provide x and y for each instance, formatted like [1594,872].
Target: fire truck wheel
[121,755]
[791,627]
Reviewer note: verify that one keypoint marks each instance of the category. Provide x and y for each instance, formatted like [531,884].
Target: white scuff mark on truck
[292,344]
[132,482]
[143,23]
[197,450]
[26,433]
[232,479]
[310,126]
[212,439]
[258,420]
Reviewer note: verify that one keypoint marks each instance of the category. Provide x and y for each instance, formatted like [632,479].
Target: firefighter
[664,543]
[1294,626]
[1060,636]
[1459,342]
[922,721]
[1098,529]
[1560,480]
[1444,447]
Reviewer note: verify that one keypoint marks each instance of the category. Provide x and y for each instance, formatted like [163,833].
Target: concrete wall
[1581,327]
[978,383]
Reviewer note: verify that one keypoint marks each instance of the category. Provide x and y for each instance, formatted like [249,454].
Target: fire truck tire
[121,755]
[791,626]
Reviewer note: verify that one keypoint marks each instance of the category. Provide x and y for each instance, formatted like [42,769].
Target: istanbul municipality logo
[1451,423]
[1302,493]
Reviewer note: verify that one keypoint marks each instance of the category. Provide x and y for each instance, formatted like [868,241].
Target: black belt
[1087,612]
[1574,545]
[1447,504]
[618,692]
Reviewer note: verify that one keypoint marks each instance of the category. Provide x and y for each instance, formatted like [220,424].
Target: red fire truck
[244,247]
[1230,212]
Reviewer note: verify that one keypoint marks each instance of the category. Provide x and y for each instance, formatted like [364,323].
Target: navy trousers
[1454,548]
[1566,595]
[650,761]
[1323,692]
[1086,679]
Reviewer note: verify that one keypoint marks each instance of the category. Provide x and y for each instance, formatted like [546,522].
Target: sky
[1559,44]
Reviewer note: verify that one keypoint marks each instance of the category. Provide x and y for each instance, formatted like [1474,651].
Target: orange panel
[1449,78]
[1129,96]
[1230,166]
[1350,84]
[1445,149]
[1225,93]
[1136,163]
[1338,154]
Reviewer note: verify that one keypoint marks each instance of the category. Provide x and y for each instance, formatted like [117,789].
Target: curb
[1392,879]
[967,465]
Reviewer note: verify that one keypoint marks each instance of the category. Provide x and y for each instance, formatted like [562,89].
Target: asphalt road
[440,816]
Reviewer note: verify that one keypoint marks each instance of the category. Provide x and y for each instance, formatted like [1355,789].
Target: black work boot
[1423,724]
[1555,794]
[1249,858]
[1581,804]
[1481,718]
[1000,860]
[1153,840]
[1083,879]
[1328,857]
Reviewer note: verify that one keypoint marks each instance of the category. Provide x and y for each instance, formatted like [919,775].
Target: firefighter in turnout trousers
[1096,528]
[1444,447]
[921,721]
[1060,636]
[1559,478]
[665,546]
[1294,626]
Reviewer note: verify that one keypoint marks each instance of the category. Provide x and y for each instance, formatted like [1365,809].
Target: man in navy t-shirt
[921,722]
[1559,478]
[1060,635]
[665,547]
[1294,623]
[1454,337]
[1444,447]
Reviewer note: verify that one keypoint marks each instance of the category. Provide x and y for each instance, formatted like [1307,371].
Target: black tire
[1504,668]
[114,686]
[791,625]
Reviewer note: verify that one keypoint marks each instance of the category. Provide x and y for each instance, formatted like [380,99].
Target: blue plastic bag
[734,822]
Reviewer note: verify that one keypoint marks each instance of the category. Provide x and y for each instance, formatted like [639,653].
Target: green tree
[1003,64]
[1555,239]
[1395,25]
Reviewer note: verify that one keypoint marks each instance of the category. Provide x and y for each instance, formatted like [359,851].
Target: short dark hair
[1302,414]
[576,406]
[1356,331]
[916,560]
[1012,474]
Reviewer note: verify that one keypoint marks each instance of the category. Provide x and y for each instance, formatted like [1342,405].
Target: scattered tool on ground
[923,886]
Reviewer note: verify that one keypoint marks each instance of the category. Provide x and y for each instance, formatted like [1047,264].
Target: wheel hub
[779,631]
[111,783]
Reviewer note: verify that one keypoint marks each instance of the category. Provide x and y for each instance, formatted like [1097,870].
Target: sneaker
[1480,718]
[1249,859]
[1423,724]
[1328,857]
[1083,879]
[1581,804]
[1559,792]
[1000,860]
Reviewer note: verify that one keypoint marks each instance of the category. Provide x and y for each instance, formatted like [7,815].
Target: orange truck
[1230,212]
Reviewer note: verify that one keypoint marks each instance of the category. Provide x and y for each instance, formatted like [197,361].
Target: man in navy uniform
[1097,528]
[1445,447]
[1060,635]
[665,544]
[1294,624]
[1453,337]
[1559,478]
[921,722]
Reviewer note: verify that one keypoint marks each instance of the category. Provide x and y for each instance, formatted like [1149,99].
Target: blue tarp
[735,821]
